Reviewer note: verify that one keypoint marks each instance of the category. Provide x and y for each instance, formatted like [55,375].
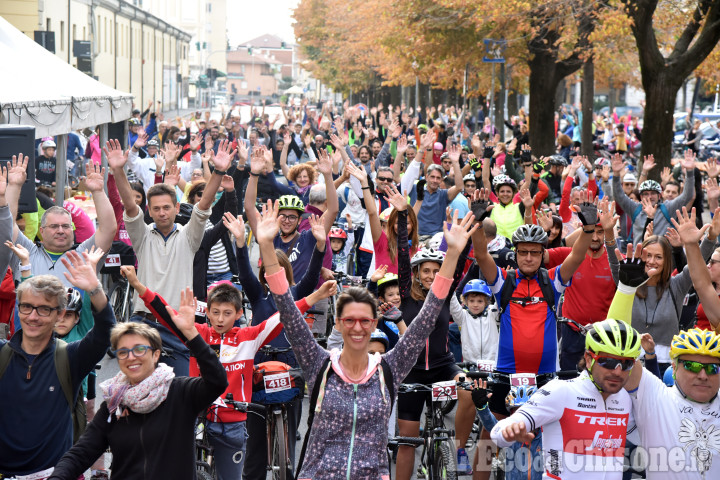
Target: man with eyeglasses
[35,415]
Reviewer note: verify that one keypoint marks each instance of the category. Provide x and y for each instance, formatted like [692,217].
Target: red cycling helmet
[337,232]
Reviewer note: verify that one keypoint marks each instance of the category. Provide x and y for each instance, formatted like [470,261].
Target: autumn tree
[669,52]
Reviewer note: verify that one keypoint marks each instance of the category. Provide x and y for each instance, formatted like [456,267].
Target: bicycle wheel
[447,406]
[116,297]
[443,466]
[279,463]
[204,475]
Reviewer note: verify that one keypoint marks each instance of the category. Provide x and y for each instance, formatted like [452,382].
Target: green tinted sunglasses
[695,367]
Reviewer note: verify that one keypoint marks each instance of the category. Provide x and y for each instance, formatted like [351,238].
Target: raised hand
[184,318]
[395,198]
[235,226]
[402,145]
[327,289]
[159,162]
[81,269]
[115,156]
[608,218]
[647,342]
[648,207]
[672,236]
[21,252]
[712,168]
[379,273]
[686,227]
[224,156]
[141,140]
[227,183]
[666,175]
[257,162]
[318,229]
[17,170]
[171,152]
[648,163]
[267,224]
[129,272]
[480,393]
[95,178]
[544,219]
[336,142]
[632,267]
[359,173]
[587,211]
[172,175]
[526,198]
[459,233]
[617,164]
[242,151]
[688,161]
[324,162]
[481,204]
[454,153]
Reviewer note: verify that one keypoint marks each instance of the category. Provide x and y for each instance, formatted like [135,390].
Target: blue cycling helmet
[519,395]
[477,286]
[379,336]
[669,376]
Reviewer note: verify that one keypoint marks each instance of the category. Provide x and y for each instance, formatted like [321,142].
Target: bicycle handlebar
[244,406]
[270,350]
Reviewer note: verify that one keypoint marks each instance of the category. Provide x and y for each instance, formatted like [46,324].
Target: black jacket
[159,444]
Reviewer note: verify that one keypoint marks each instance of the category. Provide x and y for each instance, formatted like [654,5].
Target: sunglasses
[612,363]
[365,323]
[384,179]
[695,367]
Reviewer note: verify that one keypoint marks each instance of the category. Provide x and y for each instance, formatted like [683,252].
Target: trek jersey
[681,437]
[583,436]
[528,334]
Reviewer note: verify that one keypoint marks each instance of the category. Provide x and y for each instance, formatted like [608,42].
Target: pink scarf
[144,397]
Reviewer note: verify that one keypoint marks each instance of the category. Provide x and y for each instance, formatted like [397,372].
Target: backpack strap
[508,288]
[62,368]
[5,354]
[388,378]
[665,212]
[636,212]
[546,287]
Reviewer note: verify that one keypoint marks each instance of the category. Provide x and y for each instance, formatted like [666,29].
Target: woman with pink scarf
[148,416]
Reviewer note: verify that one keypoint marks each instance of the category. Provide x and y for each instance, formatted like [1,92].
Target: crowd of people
[472,249]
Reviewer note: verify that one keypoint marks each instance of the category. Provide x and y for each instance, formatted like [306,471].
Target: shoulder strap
[324,370]
[507,289]
[546,287]
[636,212]
[62,367]
[665,212]
[293,243]
[388,376]
[5,354]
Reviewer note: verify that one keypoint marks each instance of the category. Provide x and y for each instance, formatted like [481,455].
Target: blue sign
[494,51]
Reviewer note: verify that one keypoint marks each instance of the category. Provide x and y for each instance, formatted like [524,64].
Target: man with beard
[588,298]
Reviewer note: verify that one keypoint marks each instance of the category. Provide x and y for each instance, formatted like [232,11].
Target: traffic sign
[494,51]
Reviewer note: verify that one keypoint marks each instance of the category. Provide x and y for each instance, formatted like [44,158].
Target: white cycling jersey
[583,435]
[679,438]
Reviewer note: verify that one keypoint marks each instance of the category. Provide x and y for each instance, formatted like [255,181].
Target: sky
[248,19]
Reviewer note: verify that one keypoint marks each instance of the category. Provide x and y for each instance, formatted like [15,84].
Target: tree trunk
[588,96]
[513,107]
[611,96]
[543,86]
[657,134]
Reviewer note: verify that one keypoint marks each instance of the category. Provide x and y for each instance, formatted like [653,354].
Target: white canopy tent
[41,90]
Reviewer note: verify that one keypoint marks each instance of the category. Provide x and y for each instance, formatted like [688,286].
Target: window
[74,37]
[105,42]
[243,84]
[48,27]
[84,33]
[62,35]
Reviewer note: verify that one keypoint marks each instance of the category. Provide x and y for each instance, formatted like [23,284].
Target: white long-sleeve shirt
[145,169]
[479,336]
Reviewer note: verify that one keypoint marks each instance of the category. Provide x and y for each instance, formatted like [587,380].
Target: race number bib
[112,260]
[523,380]
[201,308]
[486,366]
[442,391]
[277,382]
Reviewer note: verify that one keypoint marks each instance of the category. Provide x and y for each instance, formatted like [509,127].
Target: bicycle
[204,458]
[437,460]
[275,414]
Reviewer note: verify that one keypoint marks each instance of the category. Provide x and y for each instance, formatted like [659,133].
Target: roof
[265,41]
[71,100]
[242,56]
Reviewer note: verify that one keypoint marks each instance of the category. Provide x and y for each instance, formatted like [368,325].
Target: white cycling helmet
[427,255]
[48,144]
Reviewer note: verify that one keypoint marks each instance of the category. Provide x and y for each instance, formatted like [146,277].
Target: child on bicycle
[236,348]
[523,461]
[341,244]
[478,322]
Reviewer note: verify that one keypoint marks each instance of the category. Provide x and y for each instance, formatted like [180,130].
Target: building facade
[251,74]
[130,49]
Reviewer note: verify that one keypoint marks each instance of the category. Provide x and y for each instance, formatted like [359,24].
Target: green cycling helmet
[615,338]
[291,202]
[389,277]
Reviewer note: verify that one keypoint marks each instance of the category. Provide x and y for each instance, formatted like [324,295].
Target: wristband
[254,174]
[649,353]
[95,290]
[366,188]
[25,268]
[220,172]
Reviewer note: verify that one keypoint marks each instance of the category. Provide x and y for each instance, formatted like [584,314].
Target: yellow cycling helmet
[695,342]
[615,338]
[291,202]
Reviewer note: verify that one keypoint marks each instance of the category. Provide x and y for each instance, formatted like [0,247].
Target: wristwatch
[220,172]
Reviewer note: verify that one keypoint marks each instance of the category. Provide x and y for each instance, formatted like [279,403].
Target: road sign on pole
[494,51]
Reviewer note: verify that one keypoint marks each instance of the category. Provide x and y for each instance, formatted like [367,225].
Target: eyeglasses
[196,174]
[384,179]
[612,363]
[42,310]
[59,226]
[137,351]
[365,323]
[629,184]
[532,253]
[292,218]
[712,261]
[695,367]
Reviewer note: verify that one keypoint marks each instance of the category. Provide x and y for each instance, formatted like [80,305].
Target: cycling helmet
[337,232]
[477,286]
[519,395]
[379,336]
[388,279]
[385,214]
[74,301]
[557,160]
[504,180]
[438,146]
[602,162]
[48,144]
[470,177]
[613,337]
[134,121]
[669,377]
[530,234]
[427,255]
[291,202]
[695,342]
[650,185]
[444,156]
[153,143]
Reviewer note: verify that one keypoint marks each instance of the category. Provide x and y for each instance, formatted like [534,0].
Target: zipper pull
[27,376]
